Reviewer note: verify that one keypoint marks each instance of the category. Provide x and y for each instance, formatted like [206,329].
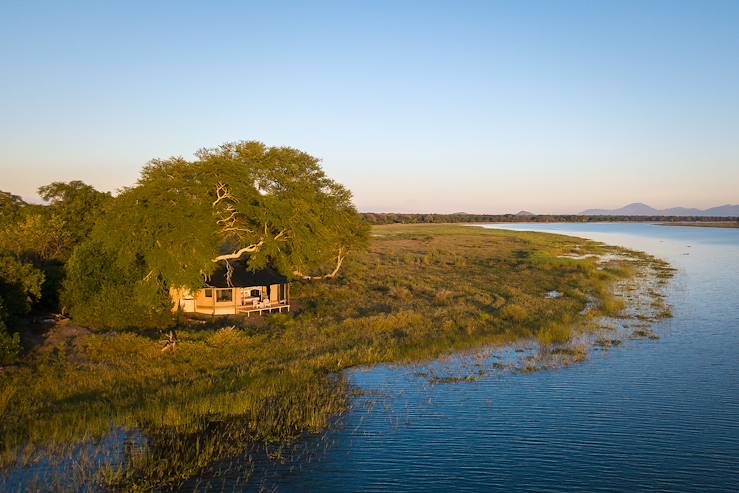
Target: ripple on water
[646,416]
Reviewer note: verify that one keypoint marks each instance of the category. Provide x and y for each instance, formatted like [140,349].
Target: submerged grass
[418,293]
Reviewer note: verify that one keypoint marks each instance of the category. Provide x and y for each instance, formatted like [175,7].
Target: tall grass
[559,333]
[419,292]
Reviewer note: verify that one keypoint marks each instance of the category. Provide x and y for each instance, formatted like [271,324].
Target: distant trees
[35,243]
[400,218]
[11,207]
[76,205]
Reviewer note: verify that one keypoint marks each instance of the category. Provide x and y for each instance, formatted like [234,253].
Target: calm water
[648,416]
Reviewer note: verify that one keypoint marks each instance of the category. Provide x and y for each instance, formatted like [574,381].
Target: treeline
[397,218]
[36,241]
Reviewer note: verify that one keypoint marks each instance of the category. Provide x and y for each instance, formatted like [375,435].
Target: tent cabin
[248,292]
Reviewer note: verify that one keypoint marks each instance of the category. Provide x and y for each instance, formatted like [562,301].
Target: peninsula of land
[417,293]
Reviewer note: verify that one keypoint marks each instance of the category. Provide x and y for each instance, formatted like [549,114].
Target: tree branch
[223,193]
[331,275]
[238,253]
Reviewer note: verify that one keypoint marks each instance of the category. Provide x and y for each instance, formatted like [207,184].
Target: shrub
[10,347]
[227,336]
[100,293]
[611,305]
[20,286]
[517,313]
[10,344]
[555,334]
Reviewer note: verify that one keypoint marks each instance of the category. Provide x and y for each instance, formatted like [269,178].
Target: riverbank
[420,292]
[704,224]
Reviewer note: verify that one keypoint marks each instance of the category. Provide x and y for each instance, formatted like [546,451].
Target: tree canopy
[76,204]
[114,259]
[271,205]
[11,207]
[35,242]
[100,293]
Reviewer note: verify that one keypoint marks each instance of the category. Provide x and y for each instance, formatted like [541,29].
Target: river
[650,415]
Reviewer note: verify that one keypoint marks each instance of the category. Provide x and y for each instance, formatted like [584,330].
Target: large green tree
[241,201]
[270,205]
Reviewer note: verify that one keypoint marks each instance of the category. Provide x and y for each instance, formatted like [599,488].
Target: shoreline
[644,306]
[706,224]
[426,292]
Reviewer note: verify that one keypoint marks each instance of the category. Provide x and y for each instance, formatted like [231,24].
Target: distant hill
[524,213]
[640,209]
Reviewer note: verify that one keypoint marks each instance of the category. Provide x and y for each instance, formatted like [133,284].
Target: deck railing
[262,307]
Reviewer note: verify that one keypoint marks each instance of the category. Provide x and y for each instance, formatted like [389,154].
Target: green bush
[20,286]
[98,292]
[10,344]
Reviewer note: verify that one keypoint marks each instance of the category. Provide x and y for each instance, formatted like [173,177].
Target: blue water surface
[651,415]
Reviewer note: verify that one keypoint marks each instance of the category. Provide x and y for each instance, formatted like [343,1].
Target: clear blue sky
[416,106]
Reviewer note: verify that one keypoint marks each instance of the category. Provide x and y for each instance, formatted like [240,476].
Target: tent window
[223,295]
[208,293]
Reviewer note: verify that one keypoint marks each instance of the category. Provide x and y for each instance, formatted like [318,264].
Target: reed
[418,292]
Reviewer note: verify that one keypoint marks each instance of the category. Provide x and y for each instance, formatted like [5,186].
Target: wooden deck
[260,309]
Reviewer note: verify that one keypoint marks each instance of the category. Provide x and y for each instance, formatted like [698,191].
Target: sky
[456,106]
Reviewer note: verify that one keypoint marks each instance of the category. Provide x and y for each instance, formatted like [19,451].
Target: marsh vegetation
[418,292]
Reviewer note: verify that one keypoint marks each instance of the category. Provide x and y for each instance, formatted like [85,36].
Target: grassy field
[418,293]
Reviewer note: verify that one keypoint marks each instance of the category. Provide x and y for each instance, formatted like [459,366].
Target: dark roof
[242,278]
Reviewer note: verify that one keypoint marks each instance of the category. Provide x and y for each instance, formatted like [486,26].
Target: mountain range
[640,209]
